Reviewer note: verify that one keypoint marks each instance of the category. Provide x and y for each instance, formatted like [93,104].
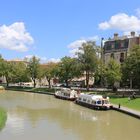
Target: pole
[102,61]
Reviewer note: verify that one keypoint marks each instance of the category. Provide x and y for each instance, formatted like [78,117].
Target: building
[118,47]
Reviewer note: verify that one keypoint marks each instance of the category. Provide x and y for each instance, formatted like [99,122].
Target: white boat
[94,101]
[66,94]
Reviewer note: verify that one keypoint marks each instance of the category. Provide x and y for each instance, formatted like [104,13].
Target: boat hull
[65,98]
[91,106]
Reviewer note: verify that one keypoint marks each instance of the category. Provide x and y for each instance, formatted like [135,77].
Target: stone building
[118,47]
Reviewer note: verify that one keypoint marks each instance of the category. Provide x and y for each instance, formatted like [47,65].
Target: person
[133,95]
[119,105]
[78,91]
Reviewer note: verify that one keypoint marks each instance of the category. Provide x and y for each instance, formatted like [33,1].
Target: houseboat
[66,94]
[94,101]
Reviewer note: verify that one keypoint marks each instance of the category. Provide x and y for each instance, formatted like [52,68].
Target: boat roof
[91,96]
[66,90]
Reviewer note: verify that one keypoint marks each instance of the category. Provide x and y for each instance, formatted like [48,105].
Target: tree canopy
[87,58]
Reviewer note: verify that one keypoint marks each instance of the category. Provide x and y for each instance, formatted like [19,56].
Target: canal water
[42,117]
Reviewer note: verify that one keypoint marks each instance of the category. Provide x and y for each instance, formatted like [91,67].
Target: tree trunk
[87,80]
[34,83]
[67,84]
[7,82]
[49,81]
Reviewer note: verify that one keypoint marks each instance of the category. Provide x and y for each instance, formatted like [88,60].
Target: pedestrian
[119,105]
[133,95]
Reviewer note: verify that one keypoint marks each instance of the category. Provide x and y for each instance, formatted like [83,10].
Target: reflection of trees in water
[87,124]
[80,121]
[3,118]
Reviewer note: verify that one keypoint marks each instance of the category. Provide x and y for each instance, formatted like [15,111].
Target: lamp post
[102,61]
[102,48]
[131,79]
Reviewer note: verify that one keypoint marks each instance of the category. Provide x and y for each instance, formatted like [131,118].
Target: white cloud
[121,22]
[54,60]
[78,43]
[138,12]
[128,34]
[74,46]
[42,59]
[15,37]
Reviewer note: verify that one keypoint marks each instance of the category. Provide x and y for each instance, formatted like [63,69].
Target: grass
[133,104]
[3,118]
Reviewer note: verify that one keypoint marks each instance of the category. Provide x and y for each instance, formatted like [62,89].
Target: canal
[42,117]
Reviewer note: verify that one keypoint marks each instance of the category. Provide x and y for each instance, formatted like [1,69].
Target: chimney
[132,33]
[115,35]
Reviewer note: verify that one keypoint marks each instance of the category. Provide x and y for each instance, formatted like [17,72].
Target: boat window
[79,98]
[88,101]
[93,102]
[84,100]
[98,102]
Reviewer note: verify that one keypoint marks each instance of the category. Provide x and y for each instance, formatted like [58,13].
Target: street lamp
[102,39]
[102,61]
[131,79]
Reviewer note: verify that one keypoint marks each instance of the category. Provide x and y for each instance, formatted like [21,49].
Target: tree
[88,60]
[68,69]
[131,67]
[49,71]
[113,72]
[7,70]
[100,74]
[20,73]
[33,69]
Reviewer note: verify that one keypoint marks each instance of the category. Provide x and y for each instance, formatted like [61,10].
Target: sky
[52,29]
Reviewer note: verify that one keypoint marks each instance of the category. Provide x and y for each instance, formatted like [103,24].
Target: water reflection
[44,117]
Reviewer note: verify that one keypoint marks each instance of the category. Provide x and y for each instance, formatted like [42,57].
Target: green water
[42,117]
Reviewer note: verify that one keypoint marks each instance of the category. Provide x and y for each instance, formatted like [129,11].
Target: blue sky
[52,29]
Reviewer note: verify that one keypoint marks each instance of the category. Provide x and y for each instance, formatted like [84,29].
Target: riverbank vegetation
[127,102]
[86,66]
[3,118]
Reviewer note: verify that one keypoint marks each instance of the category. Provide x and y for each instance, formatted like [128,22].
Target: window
[98,102]
[79,98]
[84,100]
[88,101]
[112,55]
[121,57]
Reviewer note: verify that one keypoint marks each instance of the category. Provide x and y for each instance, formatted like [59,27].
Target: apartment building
[118,47]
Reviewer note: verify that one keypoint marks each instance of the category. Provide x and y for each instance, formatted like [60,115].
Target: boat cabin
[94,101]
[66,93]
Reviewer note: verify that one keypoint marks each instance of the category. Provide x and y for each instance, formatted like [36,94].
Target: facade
[118,47]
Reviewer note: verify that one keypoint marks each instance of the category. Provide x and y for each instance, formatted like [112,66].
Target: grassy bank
[133,104]
[3,118]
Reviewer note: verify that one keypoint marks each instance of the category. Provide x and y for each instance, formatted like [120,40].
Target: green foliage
[68,69]
[113,72]
[20,73]
[3,118]
[33,69]
[88,60]
[100,74]
[131,67]
[49,71]
[7,70]
[133,104]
